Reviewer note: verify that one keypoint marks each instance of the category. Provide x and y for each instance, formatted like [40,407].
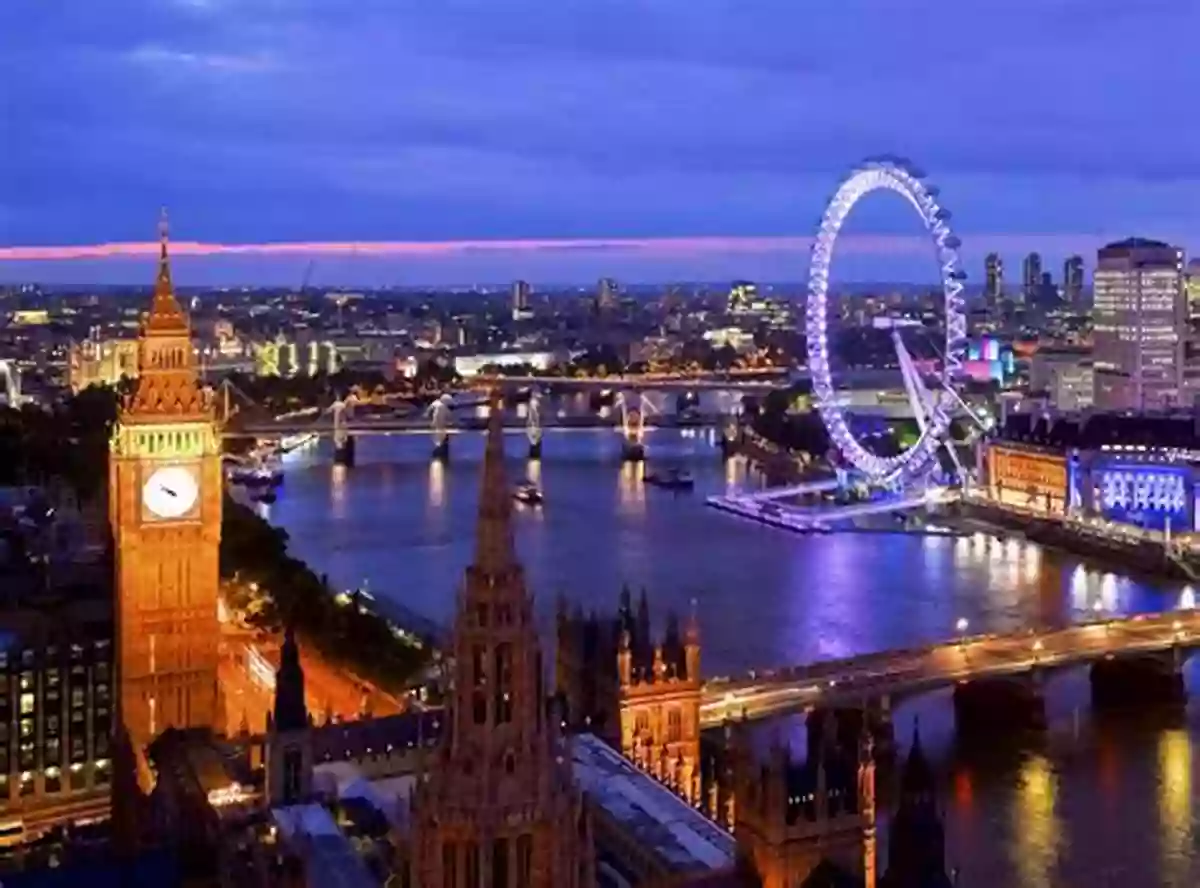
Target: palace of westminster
[602,778]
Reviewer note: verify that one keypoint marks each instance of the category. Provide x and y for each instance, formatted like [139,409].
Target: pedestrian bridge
[891,674]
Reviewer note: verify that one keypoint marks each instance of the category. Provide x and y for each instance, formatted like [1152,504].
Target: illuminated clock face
[170,492]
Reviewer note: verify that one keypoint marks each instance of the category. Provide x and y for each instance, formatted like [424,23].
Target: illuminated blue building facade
[1154,492]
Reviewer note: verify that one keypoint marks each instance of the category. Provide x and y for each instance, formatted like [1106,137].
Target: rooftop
[683,838]
[389,795]
[331,860]
[1131,243]
[342,741]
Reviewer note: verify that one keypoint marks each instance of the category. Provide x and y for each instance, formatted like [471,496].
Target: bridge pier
[730,445]
[441,449]
[343,451]
[1139,679]
[987,705]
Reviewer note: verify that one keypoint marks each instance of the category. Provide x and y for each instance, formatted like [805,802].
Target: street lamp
[961,627]
[1037,649]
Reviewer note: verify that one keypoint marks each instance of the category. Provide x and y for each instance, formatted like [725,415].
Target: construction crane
[308,270]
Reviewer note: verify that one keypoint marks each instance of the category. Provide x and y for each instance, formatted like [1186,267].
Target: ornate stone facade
[641,695]
[806,820]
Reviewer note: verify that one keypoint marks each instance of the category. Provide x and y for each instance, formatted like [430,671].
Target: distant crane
[308,270]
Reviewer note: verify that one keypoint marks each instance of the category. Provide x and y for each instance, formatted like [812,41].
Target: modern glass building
[1140,324]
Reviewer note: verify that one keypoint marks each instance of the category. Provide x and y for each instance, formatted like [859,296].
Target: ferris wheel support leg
[917,394]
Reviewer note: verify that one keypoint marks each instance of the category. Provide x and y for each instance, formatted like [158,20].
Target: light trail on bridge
[853,681]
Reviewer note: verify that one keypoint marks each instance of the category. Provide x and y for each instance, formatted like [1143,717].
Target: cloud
[161,58]
[318,120]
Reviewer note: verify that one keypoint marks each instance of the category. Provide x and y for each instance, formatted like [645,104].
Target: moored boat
[529,494]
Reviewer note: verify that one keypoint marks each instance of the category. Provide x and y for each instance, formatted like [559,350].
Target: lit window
[27,704]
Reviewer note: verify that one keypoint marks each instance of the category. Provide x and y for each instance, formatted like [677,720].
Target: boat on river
[671,479]
[529,494]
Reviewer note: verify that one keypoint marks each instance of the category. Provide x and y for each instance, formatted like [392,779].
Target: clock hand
[168,490]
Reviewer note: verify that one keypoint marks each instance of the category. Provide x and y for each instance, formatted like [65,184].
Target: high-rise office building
[1191,346]
[1072,285]
[608,292]
[1031,278]
[1047,297]
[57,698]
[742,296]
[1140,324]
[521,291]
[993,289]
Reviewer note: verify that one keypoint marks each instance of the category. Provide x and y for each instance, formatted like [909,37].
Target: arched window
[524,859]
[504,683]
[674,726]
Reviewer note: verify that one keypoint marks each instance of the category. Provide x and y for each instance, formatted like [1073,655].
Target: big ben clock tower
[165,510]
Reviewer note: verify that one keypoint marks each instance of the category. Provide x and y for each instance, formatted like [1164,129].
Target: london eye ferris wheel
[934,407]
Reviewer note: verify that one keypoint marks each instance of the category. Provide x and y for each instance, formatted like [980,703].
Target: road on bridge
[853,681]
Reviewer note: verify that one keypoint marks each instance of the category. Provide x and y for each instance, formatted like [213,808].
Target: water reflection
[337,490]
[1187,598]
[631,488]
[435,496]
[1175,803]
[1036,827]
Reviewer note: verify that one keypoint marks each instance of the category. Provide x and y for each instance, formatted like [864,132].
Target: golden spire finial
[164,234]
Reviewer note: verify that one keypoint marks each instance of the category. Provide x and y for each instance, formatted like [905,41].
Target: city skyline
[860,259]
[478,122]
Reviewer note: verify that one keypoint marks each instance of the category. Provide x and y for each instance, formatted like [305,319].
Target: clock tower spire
[165,511]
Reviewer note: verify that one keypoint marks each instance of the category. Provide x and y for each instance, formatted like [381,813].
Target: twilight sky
[719,125]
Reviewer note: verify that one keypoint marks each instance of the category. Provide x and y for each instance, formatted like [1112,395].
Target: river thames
[1096,801]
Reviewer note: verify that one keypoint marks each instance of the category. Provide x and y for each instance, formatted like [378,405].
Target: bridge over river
[392,424]
[1165,639]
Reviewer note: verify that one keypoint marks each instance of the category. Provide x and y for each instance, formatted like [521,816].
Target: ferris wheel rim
[900,177]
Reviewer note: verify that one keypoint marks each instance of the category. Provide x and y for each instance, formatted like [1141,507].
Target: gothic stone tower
[796,820]
[498,807]
[165,512]
[660,692]
[289,747]
[916,838]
